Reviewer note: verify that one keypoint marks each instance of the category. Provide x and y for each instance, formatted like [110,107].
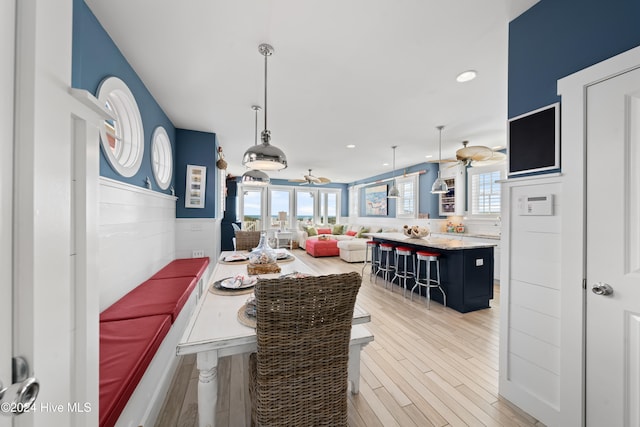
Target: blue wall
[428,202]
[556,38]
[196,148]
[95,57]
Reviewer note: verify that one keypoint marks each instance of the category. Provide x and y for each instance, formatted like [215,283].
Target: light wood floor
[432,367]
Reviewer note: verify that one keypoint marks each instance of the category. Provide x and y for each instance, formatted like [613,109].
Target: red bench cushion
[183,267]
[126,349]
[153,297]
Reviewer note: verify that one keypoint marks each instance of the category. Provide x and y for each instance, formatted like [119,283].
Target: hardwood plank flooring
[432,367]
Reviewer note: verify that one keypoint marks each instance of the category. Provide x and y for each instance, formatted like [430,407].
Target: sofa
[351,238]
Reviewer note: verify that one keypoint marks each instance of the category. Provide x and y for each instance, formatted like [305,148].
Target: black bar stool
[404,255]
[427,281]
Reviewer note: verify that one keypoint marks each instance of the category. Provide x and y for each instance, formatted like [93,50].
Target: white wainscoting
[530,318]
[198,234]
[136,236]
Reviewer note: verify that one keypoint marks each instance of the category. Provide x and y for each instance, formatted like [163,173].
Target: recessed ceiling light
[428,156]
[385,164]
[466,76]
[351,146]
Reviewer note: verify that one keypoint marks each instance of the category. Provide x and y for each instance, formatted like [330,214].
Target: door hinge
[584,283]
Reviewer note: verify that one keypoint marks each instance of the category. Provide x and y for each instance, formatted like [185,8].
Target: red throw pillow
[324,231]
[351,233]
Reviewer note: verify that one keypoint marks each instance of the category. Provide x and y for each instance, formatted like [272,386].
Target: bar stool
[385,256]
[427,281]
[371,258]
[405,255]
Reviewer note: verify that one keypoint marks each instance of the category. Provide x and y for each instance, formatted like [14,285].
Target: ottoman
[317,248]
[352,250]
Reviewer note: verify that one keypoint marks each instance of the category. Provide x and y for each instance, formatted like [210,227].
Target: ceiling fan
[311,179]
[476,155]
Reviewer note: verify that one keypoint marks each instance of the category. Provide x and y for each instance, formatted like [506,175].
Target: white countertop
[443,243]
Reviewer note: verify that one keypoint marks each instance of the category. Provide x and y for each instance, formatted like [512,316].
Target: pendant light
[393,192]
[265,156]
[254,176]
[439,186]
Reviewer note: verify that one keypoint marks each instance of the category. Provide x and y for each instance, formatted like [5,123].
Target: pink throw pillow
[324,231]
[351,233]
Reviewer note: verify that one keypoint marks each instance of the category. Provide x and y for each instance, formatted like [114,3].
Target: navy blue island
[466,269]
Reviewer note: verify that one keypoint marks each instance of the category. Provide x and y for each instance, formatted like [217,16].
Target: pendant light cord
[265,91]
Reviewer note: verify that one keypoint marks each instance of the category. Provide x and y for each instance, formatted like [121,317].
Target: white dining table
[214,330]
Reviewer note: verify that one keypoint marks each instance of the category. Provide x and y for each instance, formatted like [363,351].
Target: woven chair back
[247,240]
[299,373]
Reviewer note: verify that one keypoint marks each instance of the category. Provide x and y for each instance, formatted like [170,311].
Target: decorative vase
[263,253]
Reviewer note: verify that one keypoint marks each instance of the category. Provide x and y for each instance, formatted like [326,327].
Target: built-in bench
[138,337]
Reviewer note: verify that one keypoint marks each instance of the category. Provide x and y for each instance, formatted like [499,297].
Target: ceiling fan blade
[297,180]
[477,152]
[495,159]
[324,180]
[443,161]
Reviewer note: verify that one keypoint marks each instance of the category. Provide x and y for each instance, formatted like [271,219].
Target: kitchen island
[466,269]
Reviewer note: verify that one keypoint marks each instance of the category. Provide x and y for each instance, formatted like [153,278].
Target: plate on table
[235,258]
[236,282]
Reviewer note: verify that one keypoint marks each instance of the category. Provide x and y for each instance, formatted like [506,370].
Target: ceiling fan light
[255,177]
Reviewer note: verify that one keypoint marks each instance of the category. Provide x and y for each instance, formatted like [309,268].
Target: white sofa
[352,245]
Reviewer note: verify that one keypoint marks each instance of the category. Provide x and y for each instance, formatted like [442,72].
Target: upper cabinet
[452,202]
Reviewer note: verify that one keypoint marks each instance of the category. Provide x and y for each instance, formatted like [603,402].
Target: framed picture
[375,199]
[196,183]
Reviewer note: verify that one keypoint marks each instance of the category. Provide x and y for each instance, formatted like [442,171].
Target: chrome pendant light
[265,156]
[253,176]
[439,186]
[393,192]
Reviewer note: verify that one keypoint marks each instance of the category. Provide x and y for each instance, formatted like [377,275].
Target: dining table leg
[207,364]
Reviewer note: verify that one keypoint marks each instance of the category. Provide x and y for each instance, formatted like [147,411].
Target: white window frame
[471,191]
[263,203]
[161,157]
[402,183]
[270,189]
[323,194]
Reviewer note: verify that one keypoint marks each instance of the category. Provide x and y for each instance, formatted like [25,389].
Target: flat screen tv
[533,141]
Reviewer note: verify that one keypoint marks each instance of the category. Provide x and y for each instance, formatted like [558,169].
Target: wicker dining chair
[298,376]
[247,240]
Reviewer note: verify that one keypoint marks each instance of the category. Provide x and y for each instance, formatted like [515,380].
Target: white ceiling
[374,73]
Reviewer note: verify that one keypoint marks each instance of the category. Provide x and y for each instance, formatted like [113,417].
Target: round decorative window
[123,138]
[161,157]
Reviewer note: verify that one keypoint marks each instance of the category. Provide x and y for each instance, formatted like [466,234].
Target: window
[161,157]
[484,190]
[280,207]
[122,139]
[407,203]
[305,207]
[328,212]
[251,208]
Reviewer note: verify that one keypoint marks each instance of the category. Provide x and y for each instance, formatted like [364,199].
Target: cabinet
[453,201]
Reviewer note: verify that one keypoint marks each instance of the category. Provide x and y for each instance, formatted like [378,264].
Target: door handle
[602,289]
[20,396]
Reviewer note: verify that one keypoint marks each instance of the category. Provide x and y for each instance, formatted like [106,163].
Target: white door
[7,52]
[613,252]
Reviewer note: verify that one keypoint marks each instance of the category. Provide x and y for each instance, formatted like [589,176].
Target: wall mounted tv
[534,141]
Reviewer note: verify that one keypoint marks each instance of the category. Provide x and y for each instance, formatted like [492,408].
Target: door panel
[7,27]
[613,254]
